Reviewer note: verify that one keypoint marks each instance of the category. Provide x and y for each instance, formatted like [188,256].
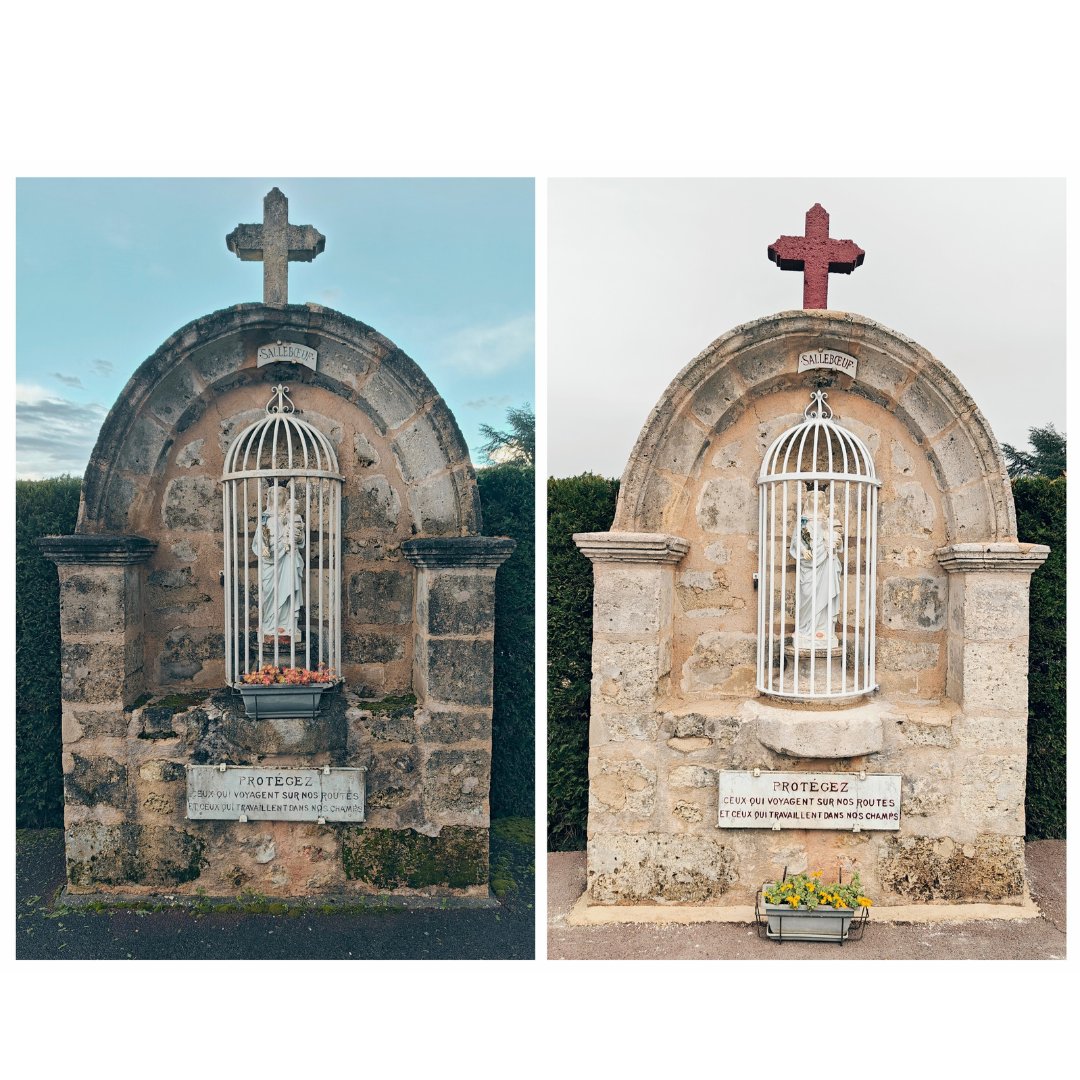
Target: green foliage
[808,891]
[516,446]
[508,499]
[1040,519]
[42,508]
[1046,459]
[577,504]
[511,854]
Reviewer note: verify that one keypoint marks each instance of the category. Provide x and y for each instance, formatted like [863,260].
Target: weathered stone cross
[817,256]
[276,243]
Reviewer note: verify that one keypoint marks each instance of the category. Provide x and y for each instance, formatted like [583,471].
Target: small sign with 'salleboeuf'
[775,800]
[828,358]
[291,352]
[241,793]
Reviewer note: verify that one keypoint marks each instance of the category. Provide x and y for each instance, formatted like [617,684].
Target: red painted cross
[817,256]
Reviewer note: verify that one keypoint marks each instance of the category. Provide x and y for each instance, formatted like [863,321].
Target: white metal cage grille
[282,521]
[817,554]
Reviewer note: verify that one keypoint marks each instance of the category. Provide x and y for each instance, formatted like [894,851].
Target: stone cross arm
[818,255]
[303,242]
[276,243]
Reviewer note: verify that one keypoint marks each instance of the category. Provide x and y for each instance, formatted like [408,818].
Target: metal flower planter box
[779,922]
[280,702]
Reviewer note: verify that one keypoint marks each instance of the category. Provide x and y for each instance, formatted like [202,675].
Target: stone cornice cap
[437,551]
[1015,558]
[632,547]
[96,550]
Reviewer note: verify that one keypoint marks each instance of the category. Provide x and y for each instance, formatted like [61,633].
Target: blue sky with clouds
[107,269]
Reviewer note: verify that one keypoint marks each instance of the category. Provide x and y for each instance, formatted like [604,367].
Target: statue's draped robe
[279,543]
[813,547]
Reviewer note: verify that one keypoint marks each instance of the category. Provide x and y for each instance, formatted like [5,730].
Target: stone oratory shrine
[277,615]
[810,624]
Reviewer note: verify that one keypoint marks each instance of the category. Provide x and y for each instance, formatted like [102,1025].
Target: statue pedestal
[820,672]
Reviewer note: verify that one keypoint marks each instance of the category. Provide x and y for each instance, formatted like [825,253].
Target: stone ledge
[1017,558]
[586,914]
[348,903]
[89,549]
[632,547]
[849,733]
[448,551]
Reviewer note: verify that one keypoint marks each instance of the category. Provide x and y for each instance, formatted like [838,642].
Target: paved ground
[46,931]
[1030,939]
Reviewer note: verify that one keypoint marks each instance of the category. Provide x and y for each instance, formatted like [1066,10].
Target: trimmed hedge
[42,508]
[587,504]
[1040,519]
[578,504]
[508,503]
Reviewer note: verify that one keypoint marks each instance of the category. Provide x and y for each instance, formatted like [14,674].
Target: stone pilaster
[452,670]
[101,615]
[988,678]
[988,624]
[101,673]
[634,589]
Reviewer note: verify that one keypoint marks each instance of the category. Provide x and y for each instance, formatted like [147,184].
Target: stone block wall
[426,826]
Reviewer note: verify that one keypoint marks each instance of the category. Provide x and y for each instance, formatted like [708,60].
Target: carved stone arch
[211,356]
[761,357]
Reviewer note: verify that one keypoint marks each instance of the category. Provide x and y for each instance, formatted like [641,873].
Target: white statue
[814,547]
[279,542]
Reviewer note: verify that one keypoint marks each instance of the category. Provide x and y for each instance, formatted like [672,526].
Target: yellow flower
[817,873]
[811,886]
[865,902]
[793,901]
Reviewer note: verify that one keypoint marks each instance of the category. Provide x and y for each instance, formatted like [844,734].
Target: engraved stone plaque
[776,800]
[240,792]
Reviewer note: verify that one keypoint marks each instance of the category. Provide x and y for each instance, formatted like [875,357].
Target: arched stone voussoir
[174,387]
[758,358]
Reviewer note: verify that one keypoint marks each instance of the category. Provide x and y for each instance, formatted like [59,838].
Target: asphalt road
[995,939]
[46,931]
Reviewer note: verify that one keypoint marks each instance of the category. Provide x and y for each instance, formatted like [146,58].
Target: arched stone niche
[674,634]
[206,366]
[748,364]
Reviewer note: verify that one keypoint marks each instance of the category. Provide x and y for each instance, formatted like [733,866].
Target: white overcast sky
[644,274]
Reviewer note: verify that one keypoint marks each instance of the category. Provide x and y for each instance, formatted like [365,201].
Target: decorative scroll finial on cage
[824,411]
[280,402]
[816,563]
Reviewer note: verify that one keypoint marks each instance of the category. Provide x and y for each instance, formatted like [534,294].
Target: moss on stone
[97,781]
[393,706]
[179,702]
[133,854]
[394,859]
